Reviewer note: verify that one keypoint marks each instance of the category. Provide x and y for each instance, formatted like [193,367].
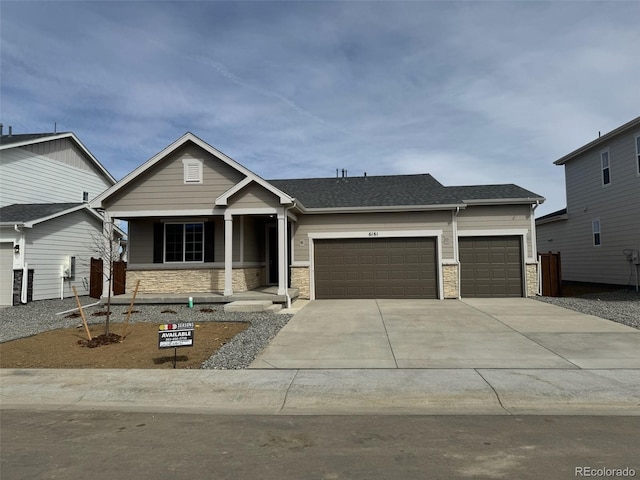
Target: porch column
[282,252]
[228,254]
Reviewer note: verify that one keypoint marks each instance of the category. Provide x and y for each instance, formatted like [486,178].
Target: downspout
[534,246]
[286,236]
[455,249]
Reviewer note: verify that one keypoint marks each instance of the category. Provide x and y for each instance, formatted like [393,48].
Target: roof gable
[188,138]
[32,139]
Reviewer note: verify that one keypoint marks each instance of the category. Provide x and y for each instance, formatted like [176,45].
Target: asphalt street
[123,445]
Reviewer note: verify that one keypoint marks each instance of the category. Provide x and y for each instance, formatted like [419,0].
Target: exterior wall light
[16,249]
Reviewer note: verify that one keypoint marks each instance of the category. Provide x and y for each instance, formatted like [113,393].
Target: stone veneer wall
[532,279]
[245,279]
[450,281]
[300,280]
[195,280]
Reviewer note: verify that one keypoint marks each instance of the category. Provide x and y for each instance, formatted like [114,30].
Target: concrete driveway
[514,333]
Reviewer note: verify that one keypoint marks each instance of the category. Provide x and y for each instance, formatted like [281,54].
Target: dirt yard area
[66,348]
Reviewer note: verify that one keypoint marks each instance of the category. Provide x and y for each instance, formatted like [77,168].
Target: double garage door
[407,267]
[376,268]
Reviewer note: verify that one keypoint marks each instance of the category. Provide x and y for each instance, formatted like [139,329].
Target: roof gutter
[382,209]
[506,201]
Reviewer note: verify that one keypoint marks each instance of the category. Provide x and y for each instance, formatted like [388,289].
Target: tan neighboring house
[598,234]
[201,222]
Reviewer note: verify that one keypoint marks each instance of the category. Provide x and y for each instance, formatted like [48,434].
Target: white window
[595,228]
[192,170]
[184,242]
[638,153]
[606,170]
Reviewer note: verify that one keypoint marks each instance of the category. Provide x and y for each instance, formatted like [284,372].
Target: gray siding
[349,222]
[615,205]
[28,177]
[49,244]
[162,187]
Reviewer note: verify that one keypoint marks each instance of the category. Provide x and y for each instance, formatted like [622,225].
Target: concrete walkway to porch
[269,293]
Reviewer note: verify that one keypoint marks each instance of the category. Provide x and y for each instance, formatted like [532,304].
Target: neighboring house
[598,234]
[47,230]
[201,222]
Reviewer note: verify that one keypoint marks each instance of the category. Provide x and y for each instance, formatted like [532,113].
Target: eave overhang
[604,138]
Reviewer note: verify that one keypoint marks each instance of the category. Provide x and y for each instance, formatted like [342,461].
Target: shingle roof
[557,213]
[25,137]
[27,212]
[392,190]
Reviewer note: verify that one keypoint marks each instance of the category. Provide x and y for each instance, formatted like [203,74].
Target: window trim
[606,169]
[188,177]
[184,250]
[596,233]
[637,139]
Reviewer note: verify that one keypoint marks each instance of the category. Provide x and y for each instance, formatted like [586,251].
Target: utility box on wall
[69,270]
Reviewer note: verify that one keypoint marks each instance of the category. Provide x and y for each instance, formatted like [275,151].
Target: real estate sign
[175,335]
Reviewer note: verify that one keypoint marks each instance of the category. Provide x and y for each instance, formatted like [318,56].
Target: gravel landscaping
[622,306]
[39,316]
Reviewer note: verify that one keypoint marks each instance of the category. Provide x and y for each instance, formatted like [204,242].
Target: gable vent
[192,170]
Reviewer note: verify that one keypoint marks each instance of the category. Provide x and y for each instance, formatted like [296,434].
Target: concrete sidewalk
[356,357]
[328,392]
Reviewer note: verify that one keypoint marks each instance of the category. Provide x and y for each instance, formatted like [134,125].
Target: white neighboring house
[47,229]
[598,234]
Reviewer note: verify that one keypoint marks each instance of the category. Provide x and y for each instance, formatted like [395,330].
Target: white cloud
[470,92]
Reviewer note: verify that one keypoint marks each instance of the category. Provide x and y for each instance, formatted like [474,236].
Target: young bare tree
[107,247]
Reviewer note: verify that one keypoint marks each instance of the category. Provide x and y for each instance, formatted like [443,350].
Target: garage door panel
[385,268]
[490,266]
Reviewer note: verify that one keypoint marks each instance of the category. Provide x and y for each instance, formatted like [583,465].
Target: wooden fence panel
[119,277]
[551,274]
[95,278]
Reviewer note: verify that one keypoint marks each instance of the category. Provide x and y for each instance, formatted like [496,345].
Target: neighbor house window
[184,242]
[638,153]
[595,228]
[192,170]
[85,196]
[606,170]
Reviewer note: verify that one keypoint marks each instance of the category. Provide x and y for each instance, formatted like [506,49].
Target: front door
[272,254]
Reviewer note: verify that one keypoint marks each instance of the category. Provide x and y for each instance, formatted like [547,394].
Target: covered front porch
[214,258]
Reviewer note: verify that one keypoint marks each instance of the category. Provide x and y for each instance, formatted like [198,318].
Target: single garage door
[490,266]
[6,273]
[376,268]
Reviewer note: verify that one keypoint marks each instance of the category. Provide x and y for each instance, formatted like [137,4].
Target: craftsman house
[201,222]
[598,233]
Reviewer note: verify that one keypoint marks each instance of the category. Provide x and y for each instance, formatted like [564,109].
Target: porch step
[249,306]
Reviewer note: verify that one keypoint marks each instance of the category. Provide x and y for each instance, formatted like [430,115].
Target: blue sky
[471,92]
